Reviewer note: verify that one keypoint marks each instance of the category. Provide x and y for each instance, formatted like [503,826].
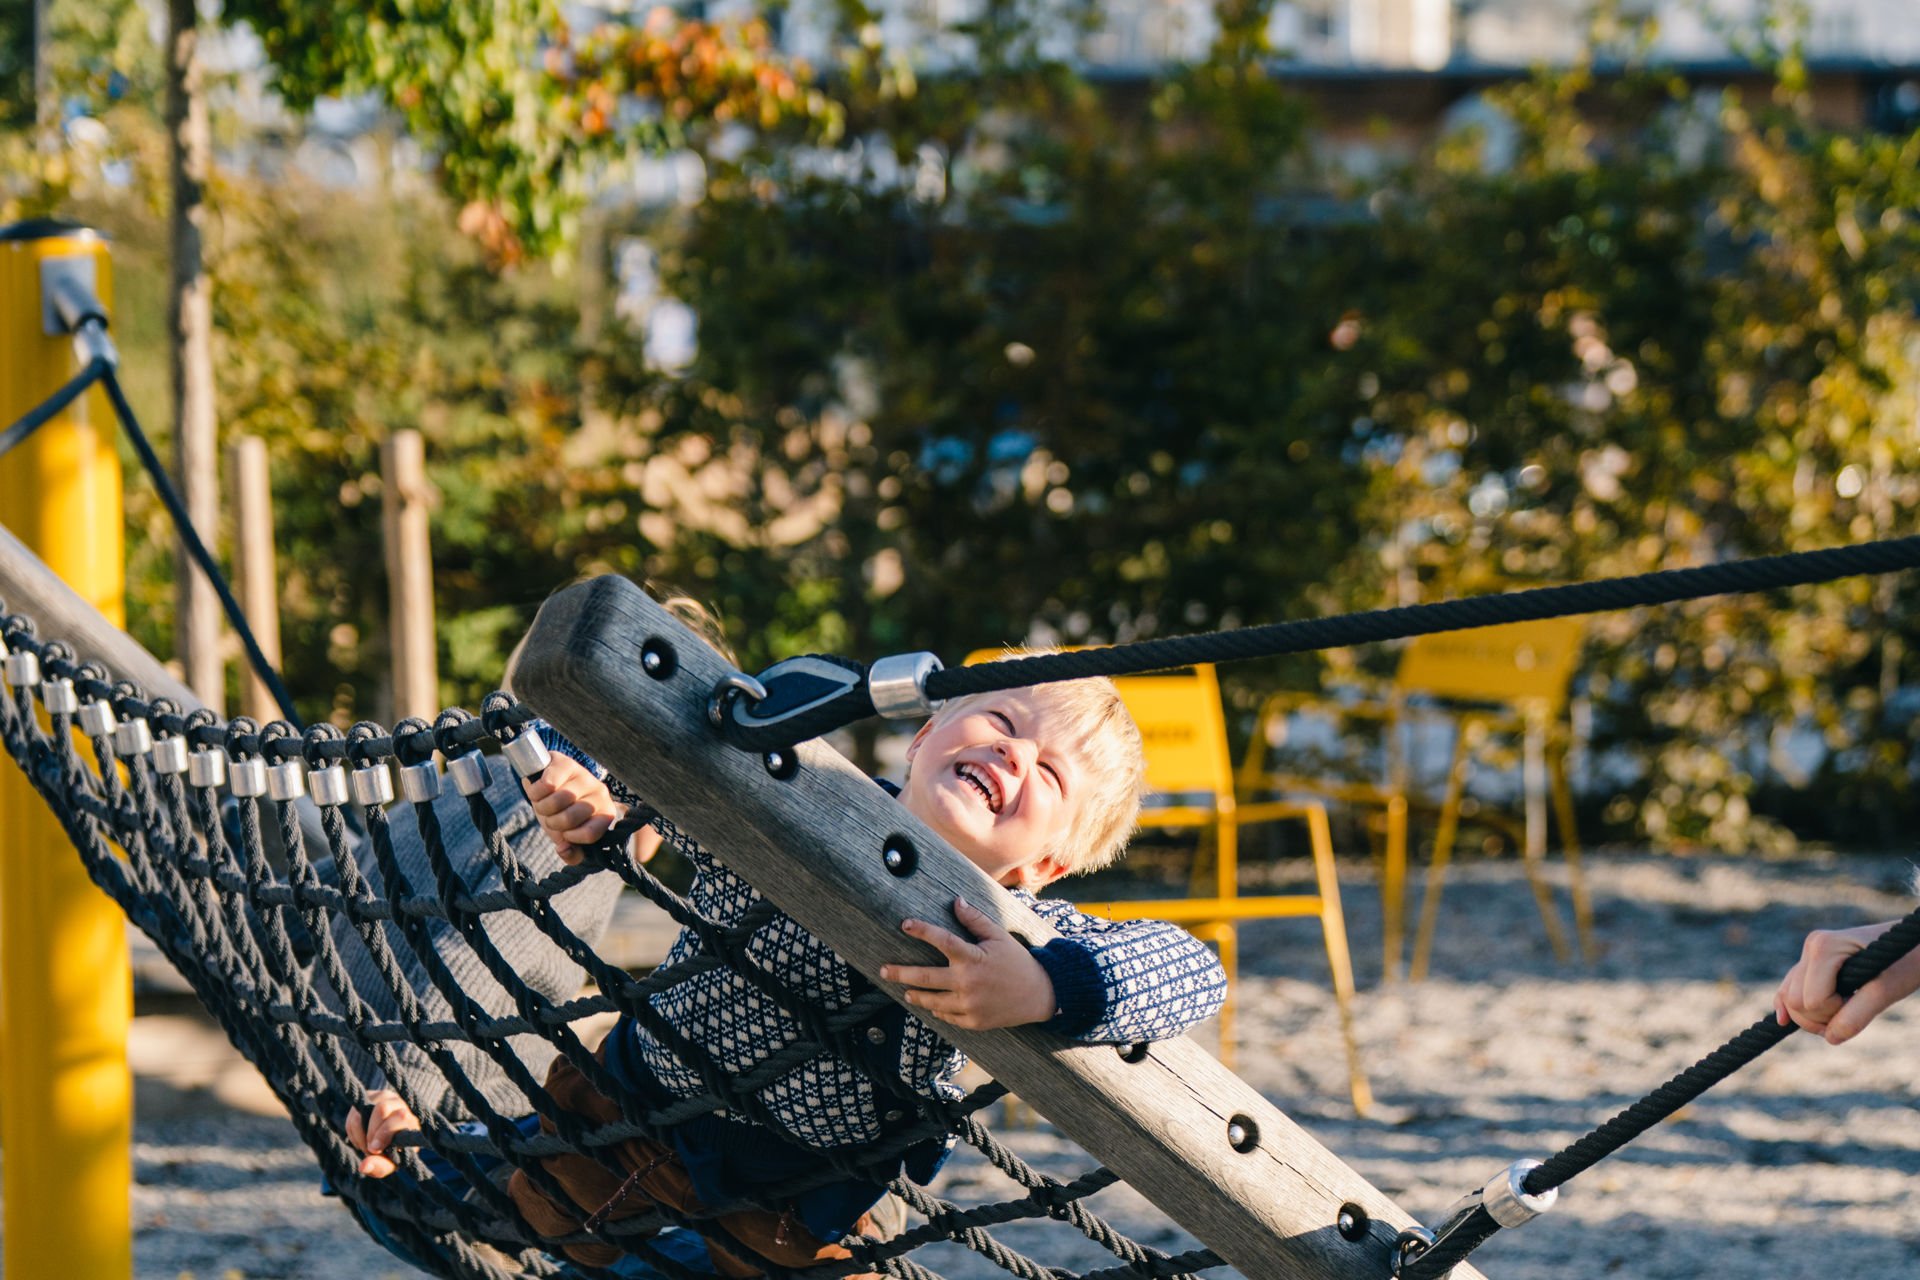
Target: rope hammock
[428,953]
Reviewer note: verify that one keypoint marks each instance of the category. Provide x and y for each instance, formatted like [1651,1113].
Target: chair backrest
[1182,727]
[1520,662]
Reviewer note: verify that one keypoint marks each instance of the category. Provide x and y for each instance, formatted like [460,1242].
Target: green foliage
[1002,350]
[1629,353]
[524,118]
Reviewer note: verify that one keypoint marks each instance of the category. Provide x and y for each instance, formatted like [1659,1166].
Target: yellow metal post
[66,1098]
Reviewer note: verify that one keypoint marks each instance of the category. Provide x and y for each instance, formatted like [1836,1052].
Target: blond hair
[1114,761]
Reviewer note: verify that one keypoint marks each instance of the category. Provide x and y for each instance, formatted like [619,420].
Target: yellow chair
[1190,781]
[1507,681]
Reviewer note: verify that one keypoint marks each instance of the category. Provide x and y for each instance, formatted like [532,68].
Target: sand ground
[1803,1167]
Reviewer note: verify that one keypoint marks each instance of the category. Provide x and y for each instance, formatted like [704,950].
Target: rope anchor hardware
[1420,1254]
[804,697]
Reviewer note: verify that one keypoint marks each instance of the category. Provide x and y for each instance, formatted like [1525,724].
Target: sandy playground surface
[1802,1166]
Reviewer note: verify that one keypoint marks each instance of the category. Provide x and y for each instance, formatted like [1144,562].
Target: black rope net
[348,939]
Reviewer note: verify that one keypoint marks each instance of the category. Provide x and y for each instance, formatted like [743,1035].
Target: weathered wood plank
[814,844]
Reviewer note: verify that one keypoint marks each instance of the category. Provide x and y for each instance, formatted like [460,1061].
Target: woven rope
[329,970]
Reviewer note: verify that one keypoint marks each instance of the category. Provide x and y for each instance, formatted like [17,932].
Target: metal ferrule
[207,767]
[329,785]
[373,786]
[22,669]
[286,780]
[420,783]
[91,342]
[170,754]
[96,719]
[1507,1201]
[57,695]
[528,755]
[898,685]
[249,777]
[469,772]
[133,738]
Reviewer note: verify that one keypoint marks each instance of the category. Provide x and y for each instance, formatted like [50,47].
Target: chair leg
[1205,871]
[1442,854]
[1393,891]
[1533,849]
[1570,840]
[1225,939]
[1333,926]
[1226,843]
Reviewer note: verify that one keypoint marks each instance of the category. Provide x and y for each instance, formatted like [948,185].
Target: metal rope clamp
[789,701]
[1503,1202]
[898,685]
[813,694]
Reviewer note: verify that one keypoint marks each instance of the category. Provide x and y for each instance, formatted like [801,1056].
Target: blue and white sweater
[1115,982]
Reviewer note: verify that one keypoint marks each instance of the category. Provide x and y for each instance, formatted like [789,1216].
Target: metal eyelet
[170,754]
[132,738]
[528,755]
[286,780]
[57,695]
[470,773]
[420,783]
[373,786]
[249,776]
[329,785]
[96,718]
[207,767]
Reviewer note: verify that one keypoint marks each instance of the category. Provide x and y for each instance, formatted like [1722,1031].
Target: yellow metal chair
[1492,682]
[1190,779]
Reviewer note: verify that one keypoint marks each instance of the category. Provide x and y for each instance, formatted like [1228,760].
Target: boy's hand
[1807,996]
[573,806]
[371,1128]
[994,982]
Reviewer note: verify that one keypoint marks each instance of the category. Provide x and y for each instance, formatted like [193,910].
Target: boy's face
[1002,780]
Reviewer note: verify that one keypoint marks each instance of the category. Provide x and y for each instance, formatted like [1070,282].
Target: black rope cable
[1860,968]
[1666,586]
[50,408]
[183,524]
[777,731]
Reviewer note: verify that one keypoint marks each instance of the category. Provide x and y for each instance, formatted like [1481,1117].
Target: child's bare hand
[994,982]
[371,1129]
[1807,995]
[573,806]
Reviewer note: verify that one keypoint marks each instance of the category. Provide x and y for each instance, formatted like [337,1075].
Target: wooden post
[404,499]
[814,844]
[190,322]
[253,565]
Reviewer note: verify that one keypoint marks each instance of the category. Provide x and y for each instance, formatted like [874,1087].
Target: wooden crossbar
[814,843]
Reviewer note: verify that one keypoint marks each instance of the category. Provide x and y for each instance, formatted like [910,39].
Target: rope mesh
[349,946]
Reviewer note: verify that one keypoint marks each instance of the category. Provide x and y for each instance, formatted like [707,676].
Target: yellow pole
[66,998]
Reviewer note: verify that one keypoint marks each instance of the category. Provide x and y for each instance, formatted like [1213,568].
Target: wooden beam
[814,845]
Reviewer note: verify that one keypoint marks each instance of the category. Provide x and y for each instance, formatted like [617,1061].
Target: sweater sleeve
[1122,981]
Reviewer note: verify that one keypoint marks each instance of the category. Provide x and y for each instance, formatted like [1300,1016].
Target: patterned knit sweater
[1115,982]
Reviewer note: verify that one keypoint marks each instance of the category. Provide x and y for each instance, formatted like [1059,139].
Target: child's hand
[1807,996]
[994,982]
[572,805]
[370,1133]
